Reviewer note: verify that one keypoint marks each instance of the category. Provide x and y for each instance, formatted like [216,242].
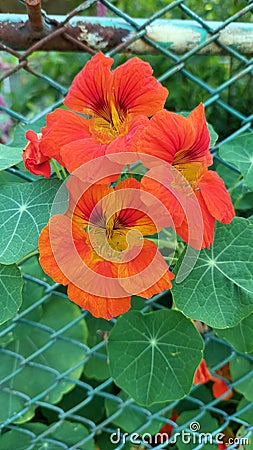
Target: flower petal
[88,91]
[202,235]
[220,387]
[132,212]
[202,374]
[176,139]
[124,149]
[47,259]
[165,200]
[216,197]
[144,271]
[34,160]
[108,305]
[62,128]
[77,153]
[63,246]
[202,137]
[136,90]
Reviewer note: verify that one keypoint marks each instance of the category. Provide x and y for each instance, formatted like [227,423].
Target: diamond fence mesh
[201,51]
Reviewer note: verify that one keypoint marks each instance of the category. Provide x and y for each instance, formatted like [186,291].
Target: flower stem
[29,255]
[64,172]
[56,169]
[163,243]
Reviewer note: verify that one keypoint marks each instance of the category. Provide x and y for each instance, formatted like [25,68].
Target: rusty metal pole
[99,34]
[33,8]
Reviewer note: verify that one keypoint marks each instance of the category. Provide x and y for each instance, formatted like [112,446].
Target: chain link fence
[201,51]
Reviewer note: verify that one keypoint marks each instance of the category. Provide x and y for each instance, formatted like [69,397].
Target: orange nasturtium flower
[98,248]
[220,387]
[167,429]
[34,160]
[108,109]
[183,143]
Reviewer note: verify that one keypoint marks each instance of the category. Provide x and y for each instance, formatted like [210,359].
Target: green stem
[163,243]
[231,190]
[172,260]
[56,169]
[29,255]
[129,169]
[64,172]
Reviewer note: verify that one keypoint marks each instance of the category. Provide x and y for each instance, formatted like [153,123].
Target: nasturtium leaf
[153,357]
[19,139]
[213,135]
[106,441]
[244,201]
[67,433]
[10,291]
[240,336]
[97,366]
[203,427]
[32,291]
[240,367]
[244,411]
[93,403]
[25,210]
[215,352]
[41,376]
[131,417]
[9,156]
[219,289]
[239,151]
[229,175]
[242,196]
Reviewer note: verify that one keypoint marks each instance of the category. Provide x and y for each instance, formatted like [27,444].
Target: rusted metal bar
[33,8]
[104,34]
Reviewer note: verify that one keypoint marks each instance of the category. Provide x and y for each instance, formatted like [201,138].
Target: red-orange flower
[220,387]
[167,428]
[202,374]
[183,143]
[98,248]
[117,105]
[33,159]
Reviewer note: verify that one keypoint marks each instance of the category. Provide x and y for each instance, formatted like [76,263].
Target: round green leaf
[97,365]
[240,336]
[130,418]
[67,433]
[93,406]
[19,139]
[9,156]
[41,375]
[245,411]
[10,291]
[240,367]
[213,135]
[219,289]
[153,357]
[25,210]
[239,151]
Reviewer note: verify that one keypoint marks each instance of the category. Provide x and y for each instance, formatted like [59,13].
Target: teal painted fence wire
[229,99]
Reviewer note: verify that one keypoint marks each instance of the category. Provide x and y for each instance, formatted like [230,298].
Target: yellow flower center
[192,172]
[109,126]
[113,238]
